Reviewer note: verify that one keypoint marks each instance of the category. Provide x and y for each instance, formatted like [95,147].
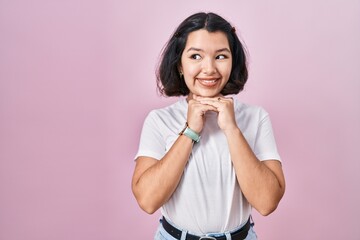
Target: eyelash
[224,56]
[194,56]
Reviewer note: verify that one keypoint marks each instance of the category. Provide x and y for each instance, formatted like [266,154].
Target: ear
[180,68]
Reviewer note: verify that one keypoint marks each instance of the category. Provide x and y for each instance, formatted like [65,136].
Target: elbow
[145,203]
[267,207]
[270,205]
[267,210]
[147,207]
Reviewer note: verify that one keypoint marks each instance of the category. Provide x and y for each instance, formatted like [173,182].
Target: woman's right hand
[196,114]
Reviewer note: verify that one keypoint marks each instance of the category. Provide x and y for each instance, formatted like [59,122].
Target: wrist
[232,131]
[188,132]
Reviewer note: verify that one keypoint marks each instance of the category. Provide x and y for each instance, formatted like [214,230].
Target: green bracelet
[190,133]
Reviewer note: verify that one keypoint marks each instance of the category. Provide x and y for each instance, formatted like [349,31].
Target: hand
[196,114]
[225,108]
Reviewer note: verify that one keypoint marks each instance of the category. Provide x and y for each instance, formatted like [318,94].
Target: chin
[208,94]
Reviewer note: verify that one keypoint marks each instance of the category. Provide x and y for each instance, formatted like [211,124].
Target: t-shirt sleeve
[152,143]
[265,145]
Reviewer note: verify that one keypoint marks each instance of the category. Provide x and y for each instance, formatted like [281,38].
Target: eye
[195,57]
[221,57]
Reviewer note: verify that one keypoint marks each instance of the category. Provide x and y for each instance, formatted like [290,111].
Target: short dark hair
[170,83]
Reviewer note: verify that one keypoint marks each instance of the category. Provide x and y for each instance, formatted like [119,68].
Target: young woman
[207,159]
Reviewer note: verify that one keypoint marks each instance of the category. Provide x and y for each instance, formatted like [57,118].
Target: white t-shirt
[208,197]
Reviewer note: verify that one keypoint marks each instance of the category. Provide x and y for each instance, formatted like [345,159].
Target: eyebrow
[201,50]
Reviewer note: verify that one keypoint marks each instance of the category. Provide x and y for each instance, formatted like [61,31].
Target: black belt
[176,233]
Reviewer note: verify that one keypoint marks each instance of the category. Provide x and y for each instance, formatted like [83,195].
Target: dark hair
[169,81]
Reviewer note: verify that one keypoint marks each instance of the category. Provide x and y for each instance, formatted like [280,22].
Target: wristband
[190,133]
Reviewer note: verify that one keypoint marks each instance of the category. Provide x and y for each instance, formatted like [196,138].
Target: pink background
[77,80]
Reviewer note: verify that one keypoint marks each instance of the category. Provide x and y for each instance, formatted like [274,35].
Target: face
[206,63]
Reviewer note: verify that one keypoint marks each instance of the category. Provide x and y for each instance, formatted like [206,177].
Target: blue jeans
[161,234]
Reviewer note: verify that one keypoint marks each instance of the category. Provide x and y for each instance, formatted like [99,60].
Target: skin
[206,65]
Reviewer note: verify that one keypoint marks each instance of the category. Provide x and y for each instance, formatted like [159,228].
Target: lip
[208,82]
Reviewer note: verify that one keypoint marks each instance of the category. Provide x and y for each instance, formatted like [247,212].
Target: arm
[262,182]
[154,181]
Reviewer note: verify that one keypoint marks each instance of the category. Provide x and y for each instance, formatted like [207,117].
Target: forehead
[205,39]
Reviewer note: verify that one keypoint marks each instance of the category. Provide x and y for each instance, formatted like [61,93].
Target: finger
[209,108]
[217,98]
[211,102]
[195,97]
[225,99]
[200,109]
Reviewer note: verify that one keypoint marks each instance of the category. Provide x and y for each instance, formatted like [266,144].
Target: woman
[207,159]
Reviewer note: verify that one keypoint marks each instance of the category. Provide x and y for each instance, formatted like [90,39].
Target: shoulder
[249,111]
[170,111]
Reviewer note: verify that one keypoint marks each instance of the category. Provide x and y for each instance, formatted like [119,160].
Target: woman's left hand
[225,109]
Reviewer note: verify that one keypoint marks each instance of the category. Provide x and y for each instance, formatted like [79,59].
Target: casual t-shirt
[208,197]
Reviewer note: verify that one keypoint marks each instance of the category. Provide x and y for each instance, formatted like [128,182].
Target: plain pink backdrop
[77,79]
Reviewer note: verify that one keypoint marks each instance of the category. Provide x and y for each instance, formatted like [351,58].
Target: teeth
[209,81]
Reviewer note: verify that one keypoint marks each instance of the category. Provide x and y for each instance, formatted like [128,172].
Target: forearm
[259,184]
[153,186]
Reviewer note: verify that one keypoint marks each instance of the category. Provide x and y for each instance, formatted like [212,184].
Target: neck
[189,97]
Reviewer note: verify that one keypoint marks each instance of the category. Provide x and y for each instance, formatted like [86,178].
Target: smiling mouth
[208,82]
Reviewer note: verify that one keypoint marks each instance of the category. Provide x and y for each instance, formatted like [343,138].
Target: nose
[209,66]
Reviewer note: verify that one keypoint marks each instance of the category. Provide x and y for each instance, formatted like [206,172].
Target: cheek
[191,70]
[226,70]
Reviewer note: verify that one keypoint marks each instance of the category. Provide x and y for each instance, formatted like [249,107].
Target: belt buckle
[207,238]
